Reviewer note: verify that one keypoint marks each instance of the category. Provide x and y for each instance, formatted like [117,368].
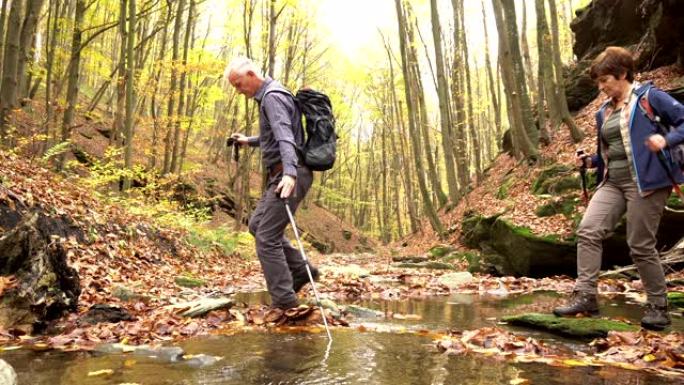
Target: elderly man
[280,135]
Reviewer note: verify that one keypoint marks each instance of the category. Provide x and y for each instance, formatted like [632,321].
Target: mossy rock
[473,259]
[186,281]
[440,251]
[502,192]
[674,202]
[511,250]
[127,295]
[435,265]
[584,328]
[558,186]
[676,299]
[549,173]
[565,206]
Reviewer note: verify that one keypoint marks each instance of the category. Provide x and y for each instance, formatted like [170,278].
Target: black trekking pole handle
[236,148]
[583,175]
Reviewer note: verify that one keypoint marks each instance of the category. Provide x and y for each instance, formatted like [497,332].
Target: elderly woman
[631,180]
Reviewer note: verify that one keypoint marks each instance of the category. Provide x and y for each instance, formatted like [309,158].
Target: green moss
[187,281]
[570,327]
[676,299]
[565,206]
[440,251]
[674,202]
[547,174]
[502,192]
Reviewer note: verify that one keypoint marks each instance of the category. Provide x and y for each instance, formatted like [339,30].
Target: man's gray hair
[240,66]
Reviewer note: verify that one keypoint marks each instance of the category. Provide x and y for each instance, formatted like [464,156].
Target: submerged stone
[569,327]
[454,280]
[7,374]
[362,312]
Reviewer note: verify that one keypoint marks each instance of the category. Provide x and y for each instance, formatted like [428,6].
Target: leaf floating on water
[8,348]
[129,363]
[649,358]
[103,372]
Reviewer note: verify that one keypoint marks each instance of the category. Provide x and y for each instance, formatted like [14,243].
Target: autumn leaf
[7,283]
[103,372]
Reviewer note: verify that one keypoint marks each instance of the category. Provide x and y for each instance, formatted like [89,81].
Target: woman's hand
[656,142]
[583,160]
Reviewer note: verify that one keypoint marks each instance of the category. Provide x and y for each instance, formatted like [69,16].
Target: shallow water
[353,358]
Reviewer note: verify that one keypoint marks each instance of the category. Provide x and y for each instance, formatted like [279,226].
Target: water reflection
[356,357]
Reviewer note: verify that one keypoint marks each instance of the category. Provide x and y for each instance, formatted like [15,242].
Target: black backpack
[320,149]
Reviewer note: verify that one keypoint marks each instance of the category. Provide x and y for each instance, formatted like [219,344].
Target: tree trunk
[119,115]
[422,120]
[490,77]
[576,134]
[525,47]
[27,45]
[53,33]
[474,135]
[155,109]
[74,69]
[3,21]
[181,95]
[546,76]
[130,96]
[523,131]
[8,93]
[459,132]
[444,104]
[411,103]
[168,145]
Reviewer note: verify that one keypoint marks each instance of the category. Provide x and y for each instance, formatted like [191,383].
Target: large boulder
[507,249]
[45,287]
[652,29]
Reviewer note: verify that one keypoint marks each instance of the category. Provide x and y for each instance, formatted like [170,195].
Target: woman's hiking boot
[298,281]
[656,317]
[579,303]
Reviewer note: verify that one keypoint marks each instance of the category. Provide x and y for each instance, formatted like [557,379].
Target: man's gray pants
[279,260]
[605,210]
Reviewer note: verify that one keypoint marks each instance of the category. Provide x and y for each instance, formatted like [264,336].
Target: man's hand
[240,138]
[656,142]
[286,186]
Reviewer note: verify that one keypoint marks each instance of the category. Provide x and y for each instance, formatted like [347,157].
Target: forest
[446,243]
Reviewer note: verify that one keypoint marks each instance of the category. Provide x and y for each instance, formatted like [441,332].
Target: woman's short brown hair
[613,61]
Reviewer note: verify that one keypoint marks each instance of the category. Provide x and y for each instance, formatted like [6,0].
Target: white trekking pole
[308,270]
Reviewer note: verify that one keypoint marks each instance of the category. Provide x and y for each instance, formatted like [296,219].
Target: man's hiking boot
[579,303]
[298,281]
[284,306]
[655,317]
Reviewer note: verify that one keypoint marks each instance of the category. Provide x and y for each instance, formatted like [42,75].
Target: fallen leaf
[103,372]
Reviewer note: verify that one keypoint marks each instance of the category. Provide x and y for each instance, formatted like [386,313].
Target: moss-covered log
[569,327]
